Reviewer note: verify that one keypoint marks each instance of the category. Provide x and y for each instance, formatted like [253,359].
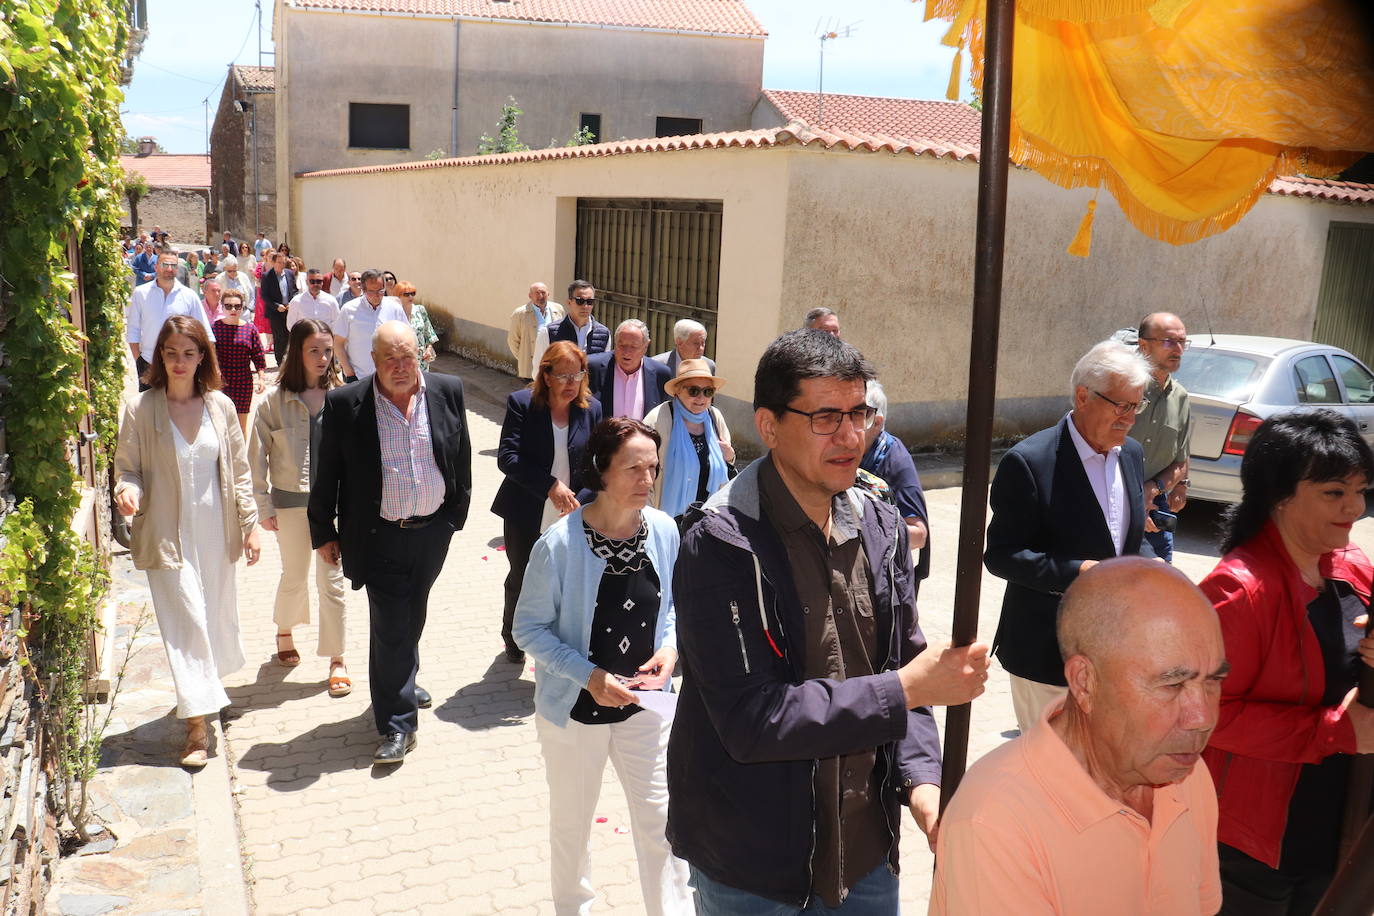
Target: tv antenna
[828,31]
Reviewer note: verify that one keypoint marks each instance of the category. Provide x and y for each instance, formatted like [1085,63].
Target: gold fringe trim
[952,92]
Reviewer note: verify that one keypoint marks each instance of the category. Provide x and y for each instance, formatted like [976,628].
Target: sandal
[196,753]
[288,657]
[339,684]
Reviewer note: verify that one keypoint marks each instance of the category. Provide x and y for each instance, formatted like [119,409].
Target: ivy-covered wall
[60,67]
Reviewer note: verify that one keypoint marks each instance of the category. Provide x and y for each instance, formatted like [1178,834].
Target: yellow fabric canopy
[1185,110]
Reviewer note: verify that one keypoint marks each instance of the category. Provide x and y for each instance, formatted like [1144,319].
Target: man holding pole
[806,721]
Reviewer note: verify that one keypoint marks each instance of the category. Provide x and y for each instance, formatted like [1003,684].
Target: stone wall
[183,212]
[244,198]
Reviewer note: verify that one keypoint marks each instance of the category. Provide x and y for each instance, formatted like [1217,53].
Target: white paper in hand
[658,701]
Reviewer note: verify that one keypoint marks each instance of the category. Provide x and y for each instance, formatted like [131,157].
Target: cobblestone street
[461,827]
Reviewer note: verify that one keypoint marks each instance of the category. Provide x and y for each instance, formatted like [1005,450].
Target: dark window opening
[676,127]
[590,123]
[373,126]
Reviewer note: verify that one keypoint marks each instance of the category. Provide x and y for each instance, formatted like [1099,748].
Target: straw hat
[693,370]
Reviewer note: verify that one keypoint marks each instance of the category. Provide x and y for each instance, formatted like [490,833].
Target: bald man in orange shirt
[1101,807]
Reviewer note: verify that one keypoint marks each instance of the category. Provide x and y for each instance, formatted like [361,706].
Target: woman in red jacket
[1292,593]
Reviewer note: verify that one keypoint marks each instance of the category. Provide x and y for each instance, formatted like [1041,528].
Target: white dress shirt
[336,284]
[357,320]
[1104,474]
[324,307]
[541,340]
[150,308]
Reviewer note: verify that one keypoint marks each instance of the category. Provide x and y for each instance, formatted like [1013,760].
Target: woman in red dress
[238,347]
[260,320]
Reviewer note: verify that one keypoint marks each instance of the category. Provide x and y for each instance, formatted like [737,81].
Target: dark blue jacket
[750,726]
[1045,522]
[898,471]
[598,335]
[525,456]
[602,370]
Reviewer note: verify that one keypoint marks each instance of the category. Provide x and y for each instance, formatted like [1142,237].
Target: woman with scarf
[694,452]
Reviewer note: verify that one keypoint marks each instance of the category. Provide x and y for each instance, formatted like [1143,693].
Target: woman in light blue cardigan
[596,613]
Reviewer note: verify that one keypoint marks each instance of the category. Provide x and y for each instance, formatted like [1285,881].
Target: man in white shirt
[525,324]
[1063,499]
[152,304]
[313,302]
[358,319]
[337,281]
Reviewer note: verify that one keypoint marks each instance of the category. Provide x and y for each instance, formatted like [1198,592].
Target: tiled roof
[256,79]
[794,134]
[170,170]
[724,17]
[948,123]
[1323,189]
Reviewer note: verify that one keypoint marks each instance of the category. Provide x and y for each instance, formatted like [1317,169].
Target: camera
[1164,520]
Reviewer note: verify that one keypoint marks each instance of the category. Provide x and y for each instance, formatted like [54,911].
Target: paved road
[461,826]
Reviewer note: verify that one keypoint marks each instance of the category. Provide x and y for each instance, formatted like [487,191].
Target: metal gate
[1345,304]
[655,260]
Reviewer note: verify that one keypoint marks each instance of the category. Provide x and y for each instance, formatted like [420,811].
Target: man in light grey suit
[689,342]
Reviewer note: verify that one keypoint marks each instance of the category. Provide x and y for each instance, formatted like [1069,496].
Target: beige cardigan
[524,328]
[146,462]
[661,419]
[279,447]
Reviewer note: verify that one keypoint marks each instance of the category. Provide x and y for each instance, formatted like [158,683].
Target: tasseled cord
[1082,244]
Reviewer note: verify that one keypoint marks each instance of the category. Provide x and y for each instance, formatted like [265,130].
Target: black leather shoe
[515,655]
[394,747]
[422,697]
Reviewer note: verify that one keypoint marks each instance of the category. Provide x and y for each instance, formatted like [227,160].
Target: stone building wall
[183,212]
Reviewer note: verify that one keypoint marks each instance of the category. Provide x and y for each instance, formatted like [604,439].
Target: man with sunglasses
[313,302]
[578,326]
[1162,429]
[353,290]
[1062,500]
[806,722]
[627,384]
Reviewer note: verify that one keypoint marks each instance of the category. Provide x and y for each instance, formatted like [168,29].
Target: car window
[1314,382]
[1220,373]
[1359,383]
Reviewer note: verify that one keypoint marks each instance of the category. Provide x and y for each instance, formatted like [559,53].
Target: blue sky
[192,42]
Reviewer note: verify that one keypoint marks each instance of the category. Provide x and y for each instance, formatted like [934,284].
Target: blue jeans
[1162,541]
[875,894]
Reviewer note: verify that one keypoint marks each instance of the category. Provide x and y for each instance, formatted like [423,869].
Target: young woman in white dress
[182,469]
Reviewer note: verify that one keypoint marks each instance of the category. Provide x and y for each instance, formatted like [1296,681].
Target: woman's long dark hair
[1320,445]
[293,365]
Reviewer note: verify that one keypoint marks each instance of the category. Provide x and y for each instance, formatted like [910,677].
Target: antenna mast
[826,33]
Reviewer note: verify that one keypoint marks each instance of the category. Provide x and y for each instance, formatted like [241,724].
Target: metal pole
[257,192]
[993,160]
[453,124]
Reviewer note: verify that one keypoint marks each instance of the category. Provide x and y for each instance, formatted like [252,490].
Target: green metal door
[1345,304]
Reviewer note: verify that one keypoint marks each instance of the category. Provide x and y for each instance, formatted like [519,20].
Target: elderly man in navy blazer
[1062,500]
[623,380]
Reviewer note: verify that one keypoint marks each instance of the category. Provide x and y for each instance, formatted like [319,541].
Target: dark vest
[598,335]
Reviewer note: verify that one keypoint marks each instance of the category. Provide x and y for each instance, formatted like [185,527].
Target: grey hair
[229,261]
[633,324]
[816,314]
[686,328]
[875,397]
[1106,361]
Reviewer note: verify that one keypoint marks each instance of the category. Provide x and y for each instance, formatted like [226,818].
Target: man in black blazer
[394,466]
[1063,499]
[278,295]
[624,366]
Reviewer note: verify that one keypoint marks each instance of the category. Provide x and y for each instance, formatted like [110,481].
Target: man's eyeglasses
[1181,343]
[566,377]
[827,422]
[1125,408]
[580,301]
[693,391]
[315,281]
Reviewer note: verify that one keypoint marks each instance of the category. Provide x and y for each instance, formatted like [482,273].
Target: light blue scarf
[681,469]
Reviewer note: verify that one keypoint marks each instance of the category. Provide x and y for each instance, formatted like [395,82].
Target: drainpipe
[253,129]
[453,131]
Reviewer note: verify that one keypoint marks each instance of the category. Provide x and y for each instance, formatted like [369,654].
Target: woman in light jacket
[286,433]
[182,471]
[596,612]
[695,455]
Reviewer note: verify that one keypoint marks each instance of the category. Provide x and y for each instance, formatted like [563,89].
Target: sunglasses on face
[580,301]
[695,391]
[232,306]
[315,281]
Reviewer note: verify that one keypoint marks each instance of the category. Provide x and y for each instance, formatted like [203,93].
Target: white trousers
[574,758]
[1029,699]
[293,588]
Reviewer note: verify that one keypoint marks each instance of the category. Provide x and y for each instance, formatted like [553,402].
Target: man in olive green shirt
[1162,429]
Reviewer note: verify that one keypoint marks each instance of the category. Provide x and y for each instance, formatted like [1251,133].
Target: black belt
[415,521]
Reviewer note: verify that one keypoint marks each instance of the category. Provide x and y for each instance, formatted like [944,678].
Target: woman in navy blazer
[542,441]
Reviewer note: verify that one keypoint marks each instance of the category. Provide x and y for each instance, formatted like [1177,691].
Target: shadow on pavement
[155,743]
[298,763]
[500,699]
[1199,528]
[269,688]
